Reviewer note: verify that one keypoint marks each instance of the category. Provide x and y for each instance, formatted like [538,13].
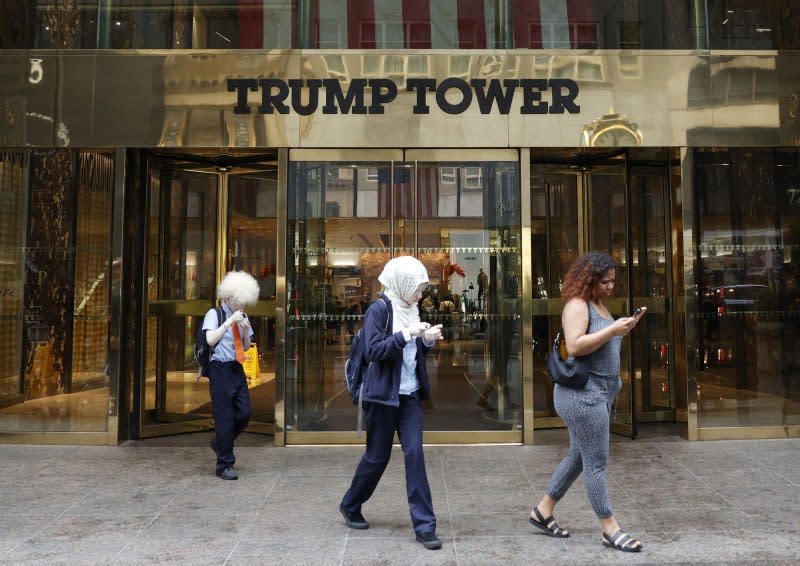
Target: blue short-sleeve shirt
[223,351]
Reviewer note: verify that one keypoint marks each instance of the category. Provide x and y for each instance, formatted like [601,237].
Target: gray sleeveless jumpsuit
[586,412]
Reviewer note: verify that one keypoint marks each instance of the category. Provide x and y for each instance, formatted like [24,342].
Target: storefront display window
[748,241]
[55,246]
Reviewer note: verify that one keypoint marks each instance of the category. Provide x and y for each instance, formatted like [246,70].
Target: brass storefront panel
[340,99]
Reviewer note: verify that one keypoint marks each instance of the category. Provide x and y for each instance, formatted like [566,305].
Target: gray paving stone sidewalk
[158,502]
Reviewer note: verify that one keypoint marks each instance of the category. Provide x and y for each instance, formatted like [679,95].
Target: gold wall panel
[88,98]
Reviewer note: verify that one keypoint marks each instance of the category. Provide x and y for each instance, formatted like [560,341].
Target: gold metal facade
[181,100]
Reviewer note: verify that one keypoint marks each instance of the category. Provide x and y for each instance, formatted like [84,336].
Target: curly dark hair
[583,275]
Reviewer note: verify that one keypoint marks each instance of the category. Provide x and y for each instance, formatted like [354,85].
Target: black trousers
[230,406]
[381,423]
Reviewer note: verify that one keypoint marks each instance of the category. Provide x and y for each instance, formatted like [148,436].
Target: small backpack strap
[387,305]
[218,310]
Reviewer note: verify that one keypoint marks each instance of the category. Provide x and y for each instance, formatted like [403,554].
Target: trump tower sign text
[370,96]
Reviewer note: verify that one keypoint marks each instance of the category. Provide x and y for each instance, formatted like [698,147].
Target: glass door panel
[346,219]
[650,203]
[468,230]
[556,230]
[181,280]
[576,207]
[607,231]
[251,247]
[339,237]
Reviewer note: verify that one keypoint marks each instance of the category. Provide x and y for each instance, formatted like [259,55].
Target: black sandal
[548,525]
[622,541]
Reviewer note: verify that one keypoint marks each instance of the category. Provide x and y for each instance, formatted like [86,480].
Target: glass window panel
[744,24]
[252,247]
[333,262]
[161,24]
[597,24]
[339,24]
[61,25]
[54,368]
[13,222]
[181,265]
[473,259]
[332,275]
[747,324]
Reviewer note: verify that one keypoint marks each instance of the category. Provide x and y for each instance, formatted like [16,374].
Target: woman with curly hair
[591,332]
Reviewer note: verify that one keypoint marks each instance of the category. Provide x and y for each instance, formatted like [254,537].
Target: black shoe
[429,540]
[354,520]
[227,474]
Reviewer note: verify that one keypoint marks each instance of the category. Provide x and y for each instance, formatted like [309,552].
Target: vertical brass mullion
[280,297]
[391,209]
[630,282]
[222,225]
[414,210]
[669,248]
[115,326]
[690,302]
[526,252]
[583,214]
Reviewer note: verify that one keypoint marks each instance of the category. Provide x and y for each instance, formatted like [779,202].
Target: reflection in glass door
[582,203]
[607,231]
[203,220]
[346,219]
[650,181]
[251,246]
[180,279]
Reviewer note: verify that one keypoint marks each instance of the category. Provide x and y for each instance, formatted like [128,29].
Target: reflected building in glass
[148,148]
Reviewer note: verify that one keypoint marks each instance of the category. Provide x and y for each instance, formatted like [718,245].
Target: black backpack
[202,351]
[356,365]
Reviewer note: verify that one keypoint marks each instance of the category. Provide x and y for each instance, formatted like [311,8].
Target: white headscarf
[401,276]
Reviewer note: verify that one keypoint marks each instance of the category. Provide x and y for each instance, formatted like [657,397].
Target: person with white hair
[396,342]
[227,383]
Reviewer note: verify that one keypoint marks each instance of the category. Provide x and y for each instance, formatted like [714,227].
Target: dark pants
[381,423]
[230,406]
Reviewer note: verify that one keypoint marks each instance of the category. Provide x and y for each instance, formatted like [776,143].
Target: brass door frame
[411,157]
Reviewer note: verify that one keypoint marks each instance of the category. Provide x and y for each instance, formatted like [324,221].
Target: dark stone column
[49,262]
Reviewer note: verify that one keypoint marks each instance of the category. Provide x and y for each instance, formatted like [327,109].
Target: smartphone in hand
[639,311]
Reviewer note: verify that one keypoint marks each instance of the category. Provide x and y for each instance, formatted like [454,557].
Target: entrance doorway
[206,214]
[618,202]
[459,213]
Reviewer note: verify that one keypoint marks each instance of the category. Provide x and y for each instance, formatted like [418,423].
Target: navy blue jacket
[385,351]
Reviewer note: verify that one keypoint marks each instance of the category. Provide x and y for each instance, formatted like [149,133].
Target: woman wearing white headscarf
[395,384]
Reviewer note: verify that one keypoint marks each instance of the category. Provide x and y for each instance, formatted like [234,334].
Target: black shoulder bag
[572,372]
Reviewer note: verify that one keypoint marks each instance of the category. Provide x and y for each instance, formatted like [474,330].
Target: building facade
[148,148]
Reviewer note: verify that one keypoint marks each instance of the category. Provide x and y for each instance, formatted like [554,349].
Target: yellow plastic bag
[250,365]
